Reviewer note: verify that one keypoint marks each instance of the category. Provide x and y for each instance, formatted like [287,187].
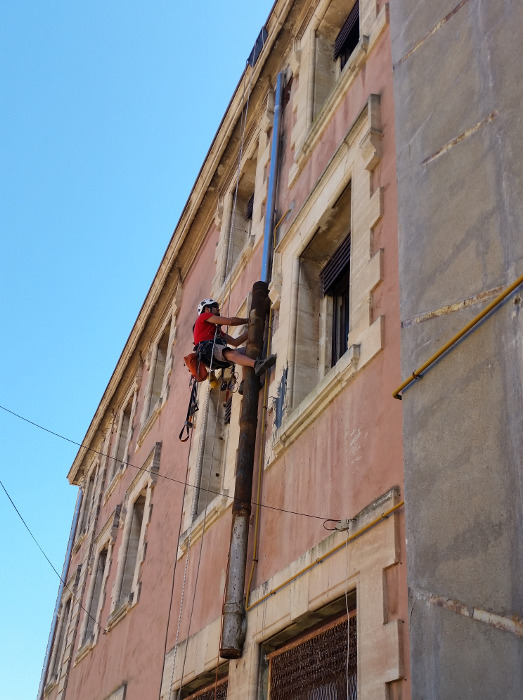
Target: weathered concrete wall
[458,86]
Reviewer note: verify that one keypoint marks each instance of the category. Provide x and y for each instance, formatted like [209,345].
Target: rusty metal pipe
[233,616]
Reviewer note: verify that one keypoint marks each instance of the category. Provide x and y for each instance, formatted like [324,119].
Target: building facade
[460,175]
[333,117]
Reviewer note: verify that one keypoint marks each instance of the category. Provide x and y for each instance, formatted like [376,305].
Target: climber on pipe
[211,342]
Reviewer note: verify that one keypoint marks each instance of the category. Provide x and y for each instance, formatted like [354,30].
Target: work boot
[261,366]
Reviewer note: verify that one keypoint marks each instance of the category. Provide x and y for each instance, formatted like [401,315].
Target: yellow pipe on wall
[454,340]
[321,559]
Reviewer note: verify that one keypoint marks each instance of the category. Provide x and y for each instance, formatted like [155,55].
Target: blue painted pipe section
[273,178]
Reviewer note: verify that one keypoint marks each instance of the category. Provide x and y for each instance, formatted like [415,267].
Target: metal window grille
[321,665]
[214,691]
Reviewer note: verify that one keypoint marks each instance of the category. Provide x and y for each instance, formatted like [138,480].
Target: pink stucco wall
[349,456]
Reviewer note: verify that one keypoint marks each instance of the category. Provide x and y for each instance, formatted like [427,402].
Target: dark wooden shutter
[249,208]
[348,26]
[335,266]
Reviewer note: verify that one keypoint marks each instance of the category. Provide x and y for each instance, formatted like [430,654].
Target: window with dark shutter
[348,37]
[249,208]
[335,282]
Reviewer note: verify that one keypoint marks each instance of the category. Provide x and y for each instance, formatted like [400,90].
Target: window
[96,597]
[131,551]
[159,370]
[336,38]
[132,546]
[237,224]
[335,281]
[214,451]
[349,35]
[123,438]
[87,502]
[322,323]
[60,640]
[241,216]
[321,663]
[159,365]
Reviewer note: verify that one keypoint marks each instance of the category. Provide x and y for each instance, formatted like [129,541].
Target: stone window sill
[206,519]
[117,615]
[348,366]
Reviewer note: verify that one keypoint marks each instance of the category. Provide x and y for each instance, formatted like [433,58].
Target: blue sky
[107,111]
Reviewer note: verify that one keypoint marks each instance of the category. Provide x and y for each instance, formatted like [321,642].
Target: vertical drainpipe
[233,617]
[273,178]
[60,591]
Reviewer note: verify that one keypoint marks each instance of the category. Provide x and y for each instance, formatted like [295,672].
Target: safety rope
[203,433]
[348,612]
[243,125]
[195,504]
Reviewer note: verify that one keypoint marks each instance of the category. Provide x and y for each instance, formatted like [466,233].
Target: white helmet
[206,302]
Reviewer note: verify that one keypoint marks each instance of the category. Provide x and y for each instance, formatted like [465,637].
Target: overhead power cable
[77,600]
[164,476]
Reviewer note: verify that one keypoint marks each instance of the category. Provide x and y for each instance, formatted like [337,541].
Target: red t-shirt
[203,330]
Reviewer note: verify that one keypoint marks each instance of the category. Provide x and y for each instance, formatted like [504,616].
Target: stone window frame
[237,230]
[88,499]
[63,624]
[117,467]
[257,148]
[313,303]
[152,408]
[353,162]
[196,522]
[104,541]
[214,453]
[193,528]
[307,628]
[229,264]
[311,120]
[360,570]
[141,486]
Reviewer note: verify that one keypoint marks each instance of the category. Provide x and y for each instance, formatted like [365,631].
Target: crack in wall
[513,624]
[431,33]
[451,308]
[460,138]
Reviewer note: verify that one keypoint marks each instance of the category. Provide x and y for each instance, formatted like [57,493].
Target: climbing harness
[205,353]
[201,364]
